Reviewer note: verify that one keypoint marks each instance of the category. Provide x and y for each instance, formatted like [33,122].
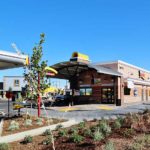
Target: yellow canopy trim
[49,69]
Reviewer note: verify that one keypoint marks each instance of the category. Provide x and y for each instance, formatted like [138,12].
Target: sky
[105,30]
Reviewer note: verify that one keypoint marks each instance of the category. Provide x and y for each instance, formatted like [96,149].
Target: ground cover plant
[118,134]
[17,124]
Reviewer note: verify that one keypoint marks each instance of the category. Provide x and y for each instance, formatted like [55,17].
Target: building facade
[114,82]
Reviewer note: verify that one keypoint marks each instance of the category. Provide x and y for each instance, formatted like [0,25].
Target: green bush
[134,146]
[104,127]
[93,128]
[98,136]
[28,139]
[4,146]
[109,146]
[117,124]
[28,122]
[47,132]
[74,130]
[13,126]
[81,125]
[87,132]
[128,133]
[62,133]
[39,121]
[48,140]
[76,138]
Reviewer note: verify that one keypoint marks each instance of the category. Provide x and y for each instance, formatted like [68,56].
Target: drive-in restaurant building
[114,82]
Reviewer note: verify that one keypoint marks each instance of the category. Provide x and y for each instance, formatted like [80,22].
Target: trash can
[118,102]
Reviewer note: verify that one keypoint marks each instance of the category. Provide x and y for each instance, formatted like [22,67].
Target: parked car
[59,97]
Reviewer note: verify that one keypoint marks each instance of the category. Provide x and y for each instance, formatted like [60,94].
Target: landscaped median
[33,132]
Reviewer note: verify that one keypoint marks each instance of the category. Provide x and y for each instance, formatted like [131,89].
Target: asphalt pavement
[80,112]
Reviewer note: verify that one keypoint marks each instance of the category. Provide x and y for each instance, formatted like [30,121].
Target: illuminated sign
[142,75]
[80,57]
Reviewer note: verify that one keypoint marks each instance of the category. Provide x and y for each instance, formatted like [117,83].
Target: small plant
[76,138]
[59,126]
[109,146]
[93,128]
[81,125]
[74,130]
[98,136]
[48,140]
[28,122]
[28,139]
[134,146]
[4,146]
[47,132]
[128,133]
[88,132]
[13,126]
[104,127]
[39,121]
[62,133]
[117,124]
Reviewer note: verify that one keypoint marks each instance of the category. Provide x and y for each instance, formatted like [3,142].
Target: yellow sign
[27,60]
[80,56]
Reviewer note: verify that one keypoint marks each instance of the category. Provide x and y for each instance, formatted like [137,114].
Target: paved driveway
[89,114]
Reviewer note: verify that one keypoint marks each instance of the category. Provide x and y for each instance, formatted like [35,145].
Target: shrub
[117,124]
[47,132]
[76,138]
[128,133]
[98,136]
[135,146]
[81,125]
[109,146]
[104,128]
[62,133]
[13,126]
[59,126]
[93,128]
[28,122]
[87,132]
[4,146]
[39,121]
[74,130]
[121,120]
[48,140]
[147,140]
[28,139]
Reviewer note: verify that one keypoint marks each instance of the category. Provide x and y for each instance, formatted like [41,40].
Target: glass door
[108,95]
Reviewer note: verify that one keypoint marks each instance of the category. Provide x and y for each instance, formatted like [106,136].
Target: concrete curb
[34,132]
[1,127]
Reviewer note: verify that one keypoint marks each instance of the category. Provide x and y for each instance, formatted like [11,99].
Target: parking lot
[81,112]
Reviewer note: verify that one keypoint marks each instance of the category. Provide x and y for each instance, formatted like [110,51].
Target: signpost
[49,72]
[9,96]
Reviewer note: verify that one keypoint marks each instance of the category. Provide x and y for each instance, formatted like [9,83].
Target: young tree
[35,72]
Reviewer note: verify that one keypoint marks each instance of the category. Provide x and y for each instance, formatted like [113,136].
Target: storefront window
[82,91]
[127,91]
[86,91]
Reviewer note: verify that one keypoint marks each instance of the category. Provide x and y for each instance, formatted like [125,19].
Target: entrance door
[108,95]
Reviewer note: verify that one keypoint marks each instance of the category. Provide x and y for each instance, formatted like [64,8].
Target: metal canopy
[11,60]
[69,69]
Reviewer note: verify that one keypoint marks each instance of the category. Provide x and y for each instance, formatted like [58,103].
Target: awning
[68,69]
[139,82]
[12,60]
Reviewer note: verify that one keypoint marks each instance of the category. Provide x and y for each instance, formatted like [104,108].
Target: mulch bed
[118,137]
[22,127]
